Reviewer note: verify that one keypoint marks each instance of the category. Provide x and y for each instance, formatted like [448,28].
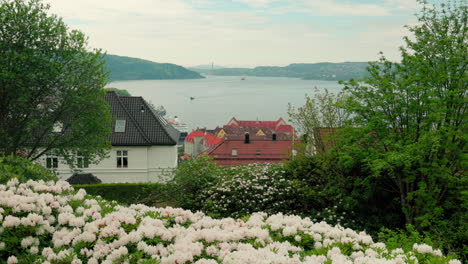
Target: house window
[234,152]
[52,162]
[120,125]
[258,152]
[122,159]
[81,161]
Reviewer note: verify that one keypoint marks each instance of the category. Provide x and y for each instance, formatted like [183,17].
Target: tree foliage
[400,158]
[121,92]
[323,110]
[51,86]
[192,177]
[23,169]
[413,115]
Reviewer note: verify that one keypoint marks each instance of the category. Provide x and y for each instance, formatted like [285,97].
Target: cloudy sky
[242,32]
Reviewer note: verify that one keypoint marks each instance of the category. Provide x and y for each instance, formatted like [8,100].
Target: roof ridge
[159,121]
[217,146]
[137,125]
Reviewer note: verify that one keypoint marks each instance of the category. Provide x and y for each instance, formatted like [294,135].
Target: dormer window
[259,152]
[120,126]
[247,138]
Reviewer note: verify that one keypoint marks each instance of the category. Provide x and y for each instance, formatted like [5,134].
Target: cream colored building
[144,146]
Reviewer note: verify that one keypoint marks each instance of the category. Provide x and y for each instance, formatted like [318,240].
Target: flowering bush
[50,222]
[246,189]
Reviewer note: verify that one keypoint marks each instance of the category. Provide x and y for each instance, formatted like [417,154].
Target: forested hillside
[127,68]
[310,71]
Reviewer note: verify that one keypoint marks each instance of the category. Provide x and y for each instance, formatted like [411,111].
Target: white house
[144,146]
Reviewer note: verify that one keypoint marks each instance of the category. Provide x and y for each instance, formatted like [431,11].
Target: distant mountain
[206,67]
[127,68]
[308,71]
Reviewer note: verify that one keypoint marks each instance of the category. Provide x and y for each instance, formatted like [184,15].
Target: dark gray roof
[143,126]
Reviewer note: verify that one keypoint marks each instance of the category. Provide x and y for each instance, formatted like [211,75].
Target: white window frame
[81,162]
[121,158]
[234,152]
[52,162]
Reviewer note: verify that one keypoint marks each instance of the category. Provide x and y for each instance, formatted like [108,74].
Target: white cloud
[103,10]
[256,3]
[335,8]
[177,32]
[342,8]
[403,4]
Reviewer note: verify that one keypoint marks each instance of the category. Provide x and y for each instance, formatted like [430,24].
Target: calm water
[218,98]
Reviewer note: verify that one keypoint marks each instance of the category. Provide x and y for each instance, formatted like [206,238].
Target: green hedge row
[153,194]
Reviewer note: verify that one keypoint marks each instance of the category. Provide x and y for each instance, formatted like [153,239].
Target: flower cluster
[246,189]
[49,222]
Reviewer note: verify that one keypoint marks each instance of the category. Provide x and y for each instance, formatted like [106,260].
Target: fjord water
[218,98]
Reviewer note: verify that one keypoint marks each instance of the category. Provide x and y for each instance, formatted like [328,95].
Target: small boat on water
[243,79]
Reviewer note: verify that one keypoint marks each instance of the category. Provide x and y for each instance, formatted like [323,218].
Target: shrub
[340,192]
[192,177]
[83,178]
[53,223]
[129,193]
[23,169]
[245,189]
[404,239]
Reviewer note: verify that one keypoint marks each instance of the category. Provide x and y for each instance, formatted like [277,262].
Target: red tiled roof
[212,139]
[274,125]
[269,124]
[190,137]
[284,128]
[232,162]
[268,151]
[206,137]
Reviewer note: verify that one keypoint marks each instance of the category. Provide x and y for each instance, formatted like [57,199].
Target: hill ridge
[124,68]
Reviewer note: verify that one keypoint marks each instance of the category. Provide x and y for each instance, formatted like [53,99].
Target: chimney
[273,137]
[247,138]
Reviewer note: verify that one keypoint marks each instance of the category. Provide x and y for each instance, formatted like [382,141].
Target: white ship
[179,125]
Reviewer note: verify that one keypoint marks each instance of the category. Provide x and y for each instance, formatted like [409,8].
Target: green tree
[121,92]
[192,177]
[51,86]
[322,112]
[23,169]
[412,116]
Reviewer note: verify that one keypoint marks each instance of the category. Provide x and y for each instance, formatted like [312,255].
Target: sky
[242,33]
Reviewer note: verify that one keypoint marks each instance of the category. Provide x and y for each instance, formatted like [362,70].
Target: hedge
[153,194]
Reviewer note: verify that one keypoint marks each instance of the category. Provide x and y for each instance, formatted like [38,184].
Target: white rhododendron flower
[70,226]
[12,260]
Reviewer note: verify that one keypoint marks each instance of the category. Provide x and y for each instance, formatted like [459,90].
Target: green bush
[24,169]
[404,239]
[153,194]
[192,177]
[337,189]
